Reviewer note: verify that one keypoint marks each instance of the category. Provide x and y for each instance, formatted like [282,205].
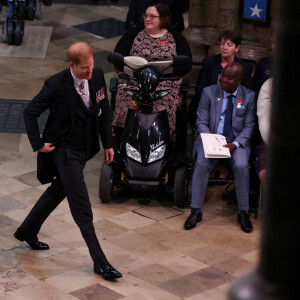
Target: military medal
[100,95]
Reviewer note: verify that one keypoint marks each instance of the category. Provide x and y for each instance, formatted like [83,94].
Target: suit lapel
[92,93]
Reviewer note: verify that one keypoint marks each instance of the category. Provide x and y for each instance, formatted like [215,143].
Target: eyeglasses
[151,17]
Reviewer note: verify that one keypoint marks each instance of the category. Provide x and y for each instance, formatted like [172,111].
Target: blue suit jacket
[210,108]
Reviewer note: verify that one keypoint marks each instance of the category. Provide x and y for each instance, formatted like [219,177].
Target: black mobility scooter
[146,159]
[16,13]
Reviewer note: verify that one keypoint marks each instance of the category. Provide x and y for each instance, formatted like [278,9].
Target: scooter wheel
[19,32]
[106,183]
[10,33]
[181,186]
[30,10]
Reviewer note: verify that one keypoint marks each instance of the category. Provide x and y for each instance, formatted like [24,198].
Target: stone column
[201,32]
[277,275]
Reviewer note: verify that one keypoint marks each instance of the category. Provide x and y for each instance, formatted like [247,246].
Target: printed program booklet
[213,146]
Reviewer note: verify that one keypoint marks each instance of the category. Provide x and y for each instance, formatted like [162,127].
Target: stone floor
[143,236]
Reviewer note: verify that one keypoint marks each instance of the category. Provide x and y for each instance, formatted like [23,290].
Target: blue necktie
[227,131]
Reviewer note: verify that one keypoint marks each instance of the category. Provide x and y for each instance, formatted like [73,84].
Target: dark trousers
[70,183]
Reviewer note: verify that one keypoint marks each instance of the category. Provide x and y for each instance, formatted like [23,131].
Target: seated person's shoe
[243,219]
[33,242]
[194,218]
[107,271]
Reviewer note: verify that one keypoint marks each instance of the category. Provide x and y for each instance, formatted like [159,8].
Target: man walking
[79,112]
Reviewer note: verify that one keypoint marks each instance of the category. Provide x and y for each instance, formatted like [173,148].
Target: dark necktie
[227,131]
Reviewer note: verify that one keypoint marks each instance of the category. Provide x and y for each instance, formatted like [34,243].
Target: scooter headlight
[133,153]
[157,154]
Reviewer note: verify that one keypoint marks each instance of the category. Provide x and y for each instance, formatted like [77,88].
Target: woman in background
[156,42]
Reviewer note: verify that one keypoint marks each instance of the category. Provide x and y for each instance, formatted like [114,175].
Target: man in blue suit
[227,109]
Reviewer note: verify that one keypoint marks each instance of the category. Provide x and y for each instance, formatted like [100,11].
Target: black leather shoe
[194,218]
[243,219]
[107,271]
[34,243]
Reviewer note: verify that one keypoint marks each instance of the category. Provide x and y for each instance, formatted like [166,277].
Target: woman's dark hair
[231,35]
[164,12]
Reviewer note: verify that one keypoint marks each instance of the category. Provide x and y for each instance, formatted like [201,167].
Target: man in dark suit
[79,112]
[227,108]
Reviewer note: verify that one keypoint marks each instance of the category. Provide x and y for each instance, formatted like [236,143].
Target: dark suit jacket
[263,72]
[210,108]
[208,75]
[59,96]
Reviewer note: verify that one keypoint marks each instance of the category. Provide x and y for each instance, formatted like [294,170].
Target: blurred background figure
[264,104]
[263,69]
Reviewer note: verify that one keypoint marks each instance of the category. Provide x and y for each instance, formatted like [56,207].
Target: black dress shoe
[107,271]
[33,242]
[243,219]
[194,218]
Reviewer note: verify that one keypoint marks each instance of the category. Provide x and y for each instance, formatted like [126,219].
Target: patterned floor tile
[13,279]
[199,281]
[29,178]
[28,196]
[210,254]
[155,274]
[96,292]
[106,228]
[8,203]
[106,28]
[34,45]
[6,222]
[36,291]
[183,264]
[235,266]
[131,220]
[158,213]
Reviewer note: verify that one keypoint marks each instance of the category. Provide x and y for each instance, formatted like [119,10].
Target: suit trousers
[70,183]
[239,162]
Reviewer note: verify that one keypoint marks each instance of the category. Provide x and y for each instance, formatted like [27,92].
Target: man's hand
[48,147]
[109,155]
[230,146]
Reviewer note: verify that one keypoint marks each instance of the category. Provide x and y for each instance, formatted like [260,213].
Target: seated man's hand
[230,146]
